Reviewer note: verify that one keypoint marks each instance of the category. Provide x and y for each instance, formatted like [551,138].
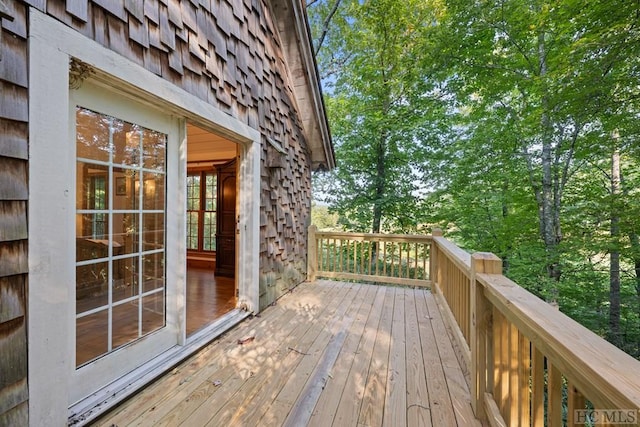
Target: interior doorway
[211,217]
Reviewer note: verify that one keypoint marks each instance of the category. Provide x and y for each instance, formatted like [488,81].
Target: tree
[550,72]
[378,103]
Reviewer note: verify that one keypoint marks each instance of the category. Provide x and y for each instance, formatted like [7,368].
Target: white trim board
[51,46]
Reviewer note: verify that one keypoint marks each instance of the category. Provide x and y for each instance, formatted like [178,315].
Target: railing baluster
[554,396]
[355,256]
[370,259]
[504,365]
[524,374]
[346,266]
[409,260]
[514,375]
[377,260]
[466,310]
[400,260]
[424,262]
[384,260]
[497,356]
[575,401]
[537,388]
[362,257]
[416,265]
[393,258]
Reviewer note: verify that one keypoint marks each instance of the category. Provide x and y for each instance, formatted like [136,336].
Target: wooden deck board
[442,412]
[254,407]
[353,393]
[395,403]
[250,407]
[372,406]
[418,413]
[456,383]
[306,400]
[333,391]
[329,353]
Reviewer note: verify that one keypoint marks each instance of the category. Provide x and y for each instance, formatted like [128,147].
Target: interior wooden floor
[329,353]
[208,297]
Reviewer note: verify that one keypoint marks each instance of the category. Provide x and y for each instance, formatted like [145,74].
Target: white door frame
[51,304]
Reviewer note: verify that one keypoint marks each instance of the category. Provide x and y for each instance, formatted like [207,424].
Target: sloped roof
[295,35]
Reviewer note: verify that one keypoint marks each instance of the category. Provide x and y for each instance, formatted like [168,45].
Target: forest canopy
[512,125]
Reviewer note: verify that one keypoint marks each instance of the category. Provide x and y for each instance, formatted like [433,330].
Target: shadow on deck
[328,353]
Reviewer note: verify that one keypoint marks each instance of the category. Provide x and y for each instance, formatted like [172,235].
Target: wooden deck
[328,353]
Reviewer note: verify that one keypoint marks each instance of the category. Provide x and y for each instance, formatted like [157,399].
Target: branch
[325,26]
[484,66]
[532,181]
[571,151]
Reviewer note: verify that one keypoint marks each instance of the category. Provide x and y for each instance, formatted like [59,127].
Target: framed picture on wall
[121,186]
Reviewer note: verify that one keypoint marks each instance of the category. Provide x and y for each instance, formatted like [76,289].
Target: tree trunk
[549,200]
[636,263]
[381,156]
[614,266]
[635,250]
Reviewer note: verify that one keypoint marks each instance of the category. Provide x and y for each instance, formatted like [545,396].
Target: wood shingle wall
[226,52]
[13,214]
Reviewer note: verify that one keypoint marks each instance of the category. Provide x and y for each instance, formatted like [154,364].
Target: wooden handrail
[597,368]
[373,237]
[527,359]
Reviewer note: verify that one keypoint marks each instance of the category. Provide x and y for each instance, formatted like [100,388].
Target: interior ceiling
[203,146]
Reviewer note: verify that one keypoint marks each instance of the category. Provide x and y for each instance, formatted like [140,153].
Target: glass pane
[91,337]
[192,230]
[126,189]
[152,271]
[153,149]
[193,192]
[152,231]
[209,235]
[152,312]
[92,236]
[153,191]
[125,233]
[125,278]
[92,186]
[126,143]
[211,193]
[92,286]
[92,135]
[125,323]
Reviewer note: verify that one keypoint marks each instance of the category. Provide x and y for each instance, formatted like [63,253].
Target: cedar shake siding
[233,54]
[13,215]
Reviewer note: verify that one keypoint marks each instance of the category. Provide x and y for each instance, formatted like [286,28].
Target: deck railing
[529,364]
[380,258]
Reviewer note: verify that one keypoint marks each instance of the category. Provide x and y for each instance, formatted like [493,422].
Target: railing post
[433,259]
[479,342]
[312,254]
